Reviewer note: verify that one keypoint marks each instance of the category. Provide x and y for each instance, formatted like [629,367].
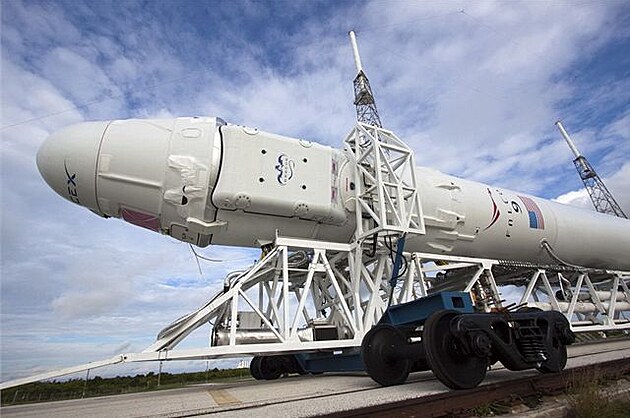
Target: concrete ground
[294,396]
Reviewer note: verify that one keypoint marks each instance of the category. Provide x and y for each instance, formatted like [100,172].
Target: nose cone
[67,161]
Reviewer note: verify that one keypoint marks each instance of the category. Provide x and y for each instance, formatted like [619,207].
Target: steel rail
[454,402]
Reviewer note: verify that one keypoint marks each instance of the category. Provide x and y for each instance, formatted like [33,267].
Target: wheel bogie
[459,347]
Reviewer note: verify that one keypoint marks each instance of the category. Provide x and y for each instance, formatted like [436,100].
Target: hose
[544,244]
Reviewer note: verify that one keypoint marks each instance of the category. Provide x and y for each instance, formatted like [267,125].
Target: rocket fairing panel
[474,219]
[191,172]
[591,238]
[156,174]
[270,174]
[130,170]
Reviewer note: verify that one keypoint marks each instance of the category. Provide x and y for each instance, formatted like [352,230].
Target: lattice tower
[601,197]
[363,96]
[364,101]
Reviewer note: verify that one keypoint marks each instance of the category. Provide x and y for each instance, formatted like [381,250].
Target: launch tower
[363,96]
[601,197]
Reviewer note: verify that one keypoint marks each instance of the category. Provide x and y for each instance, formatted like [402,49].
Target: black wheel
[450,366]
[557,358]
[377,352]
[557,352]
[270,368]
[254,368]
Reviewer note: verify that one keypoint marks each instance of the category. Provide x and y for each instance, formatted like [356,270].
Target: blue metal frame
[417,311]
[412,313]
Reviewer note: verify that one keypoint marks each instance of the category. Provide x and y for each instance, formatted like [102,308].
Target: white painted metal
[386,195]
[63,372]
[601,304]
[567,138]
[473,219]
[301,286]
[201,181]
[67,161]
[355,51]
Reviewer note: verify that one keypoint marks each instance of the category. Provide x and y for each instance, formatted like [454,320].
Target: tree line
[100,386]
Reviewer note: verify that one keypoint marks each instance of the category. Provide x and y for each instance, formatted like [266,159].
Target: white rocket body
[202,181]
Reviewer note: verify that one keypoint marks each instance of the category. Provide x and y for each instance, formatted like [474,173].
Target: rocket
[203,181]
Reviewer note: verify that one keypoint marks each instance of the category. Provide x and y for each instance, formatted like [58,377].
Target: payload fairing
[203,181]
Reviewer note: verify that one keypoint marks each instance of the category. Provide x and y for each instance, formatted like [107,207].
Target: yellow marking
[223,397]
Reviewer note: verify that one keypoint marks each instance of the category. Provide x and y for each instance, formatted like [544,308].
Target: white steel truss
[592,301]
[309,296]
[387,198]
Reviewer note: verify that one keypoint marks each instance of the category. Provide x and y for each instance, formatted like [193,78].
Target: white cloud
[27,96]
[73,73]
[579,198]
[618,185]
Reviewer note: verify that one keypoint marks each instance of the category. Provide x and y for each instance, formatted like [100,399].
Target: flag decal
[536,219]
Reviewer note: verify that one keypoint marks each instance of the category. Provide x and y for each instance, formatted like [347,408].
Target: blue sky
[473,87]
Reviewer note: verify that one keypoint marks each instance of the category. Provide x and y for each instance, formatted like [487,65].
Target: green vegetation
[98,386]
[587,399]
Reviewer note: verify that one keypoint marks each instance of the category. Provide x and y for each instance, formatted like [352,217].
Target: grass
[587,399]
[97,386]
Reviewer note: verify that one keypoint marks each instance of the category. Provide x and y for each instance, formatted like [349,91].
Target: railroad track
[449,402]
[458,402]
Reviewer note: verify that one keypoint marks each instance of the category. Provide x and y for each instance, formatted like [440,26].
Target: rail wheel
[270,368]
[254,368]
[452,367]
[557,358]
[557,354]
[378,351]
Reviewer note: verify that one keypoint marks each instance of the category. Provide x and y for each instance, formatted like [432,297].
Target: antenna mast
[363,96]
[601,197]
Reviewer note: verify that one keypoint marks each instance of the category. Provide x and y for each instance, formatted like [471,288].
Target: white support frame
[385,181]
[288,294]
[588,305]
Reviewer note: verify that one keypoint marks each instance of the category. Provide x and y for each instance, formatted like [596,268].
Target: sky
[473,87]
